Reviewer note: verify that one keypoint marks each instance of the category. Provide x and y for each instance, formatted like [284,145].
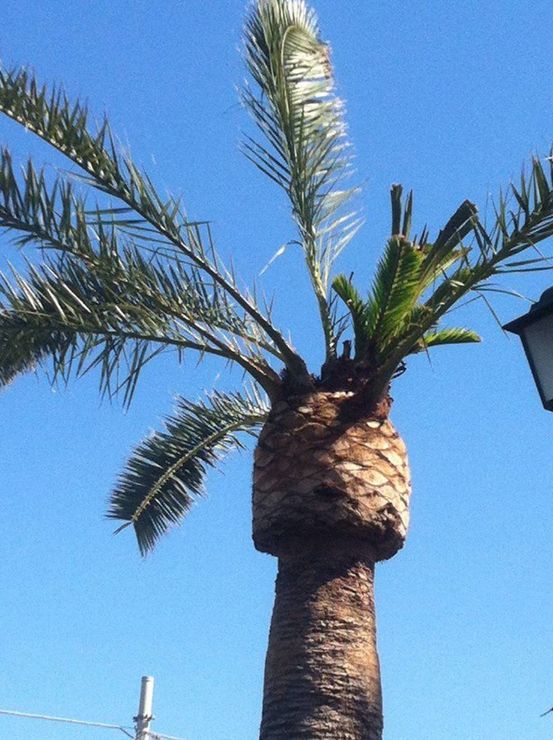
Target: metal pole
[141,721]
[145,716]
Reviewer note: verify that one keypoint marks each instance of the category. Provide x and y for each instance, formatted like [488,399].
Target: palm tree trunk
[330,498]
[322,676]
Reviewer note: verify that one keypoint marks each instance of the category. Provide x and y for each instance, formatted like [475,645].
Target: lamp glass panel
[539,342]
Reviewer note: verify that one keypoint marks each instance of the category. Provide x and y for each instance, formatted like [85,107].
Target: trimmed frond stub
[305,148]
[166,472]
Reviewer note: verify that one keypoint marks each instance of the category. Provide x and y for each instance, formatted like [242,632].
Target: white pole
[145,715]
[141,721]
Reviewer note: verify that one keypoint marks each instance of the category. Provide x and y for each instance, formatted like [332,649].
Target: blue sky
[447,98]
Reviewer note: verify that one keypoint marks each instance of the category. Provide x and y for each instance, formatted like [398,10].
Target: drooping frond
[114,316]
[105,297]
[305,148]
[26,346]
[150,219]
[56,218]
[166,471]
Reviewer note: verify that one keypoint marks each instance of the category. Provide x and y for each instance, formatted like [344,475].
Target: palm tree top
[125,275]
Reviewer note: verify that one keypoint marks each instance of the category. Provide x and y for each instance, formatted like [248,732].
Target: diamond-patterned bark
[320,468]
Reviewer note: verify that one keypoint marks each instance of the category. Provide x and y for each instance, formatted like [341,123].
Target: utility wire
[148,734]
[68,721]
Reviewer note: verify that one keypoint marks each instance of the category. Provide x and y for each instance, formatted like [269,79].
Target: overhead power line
[28,715]
[142,720]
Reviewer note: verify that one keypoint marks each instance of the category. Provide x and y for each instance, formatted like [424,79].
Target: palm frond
[523,217]
[529,222]
[359,311]
[395,290]
[116,313]
[306,151]
[446,336]
[24,346]
[166,472]
[398,306]
[159,285]
[62,316]
[450,239]
[109,169]
[513,231]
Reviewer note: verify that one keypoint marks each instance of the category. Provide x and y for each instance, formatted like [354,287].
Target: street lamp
[536,332]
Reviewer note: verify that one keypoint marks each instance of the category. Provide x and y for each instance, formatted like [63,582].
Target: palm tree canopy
[126,275]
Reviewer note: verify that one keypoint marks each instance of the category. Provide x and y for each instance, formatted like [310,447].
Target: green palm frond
[166,471]
[359,311]
[392,308]
[109,288]
[26,345]
[398,305]
[114,314]
[446,336]
[56,218]
[448,246]
[523,218]
[450,289]
[306,151]
[153,222]
[64,313]
[395,290]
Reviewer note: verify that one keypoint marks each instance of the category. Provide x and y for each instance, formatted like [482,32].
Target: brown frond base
[325,468]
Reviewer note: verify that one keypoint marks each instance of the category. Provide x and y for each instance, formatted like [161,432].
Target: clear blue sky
[447,98]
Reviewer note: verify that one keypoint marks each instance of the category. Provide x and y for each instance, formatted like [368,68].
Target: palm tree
[125,276]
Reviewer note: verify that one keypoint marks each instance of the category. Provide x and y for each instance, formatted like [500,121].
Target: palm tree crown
[126,275]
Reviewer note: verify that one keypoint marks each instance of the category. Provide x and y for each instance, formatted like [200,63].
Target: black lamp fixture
[536,332]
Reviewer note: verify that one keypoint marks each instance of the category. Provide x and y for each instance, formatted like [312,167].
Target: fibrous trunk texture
[331,495]
[322,676]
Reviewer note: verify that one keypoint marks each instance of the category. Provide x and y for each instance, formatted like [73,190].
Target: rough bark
[322,466]
[322,675]
[331,495]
